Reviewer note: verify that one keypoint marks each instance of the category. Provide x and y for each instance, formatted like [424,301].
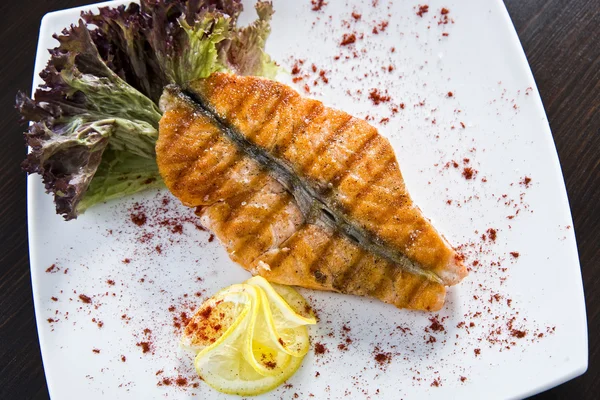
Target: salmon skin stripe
[300,193]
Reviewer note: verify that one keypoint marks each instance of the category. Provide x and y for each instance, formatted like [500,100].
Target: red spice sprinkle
[444,11]
[85,299]
[356,15]
[515,254]
[206,312]
[52,269]
[450,94]
[110,282]
[51,320]
[518,334]
[211,238]
[54,298]
[377,98]
[445,34]
[436,383]
[181,381]
[97,351]
[469,173]
[381,27]
[126,261]
[138,218]
[435,325]
[463,125]
[463,378]
[383,358]
[477,352]
[348,39]
[492,234]
[320,348]
[123,358]
[317,5]
[422,10]
[145,346]
[166,381]
[526,181]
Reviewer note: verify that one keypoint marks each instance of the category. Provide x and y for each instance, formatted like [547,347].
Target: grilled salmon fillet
[300,193]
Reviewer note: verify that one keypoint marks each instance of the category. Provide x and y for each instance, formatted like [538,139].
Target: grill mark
[247,99]
[253,189]
[220,86]
[382,281]
[322,253]
[358,198]
[353,276]
[315,110]
[415,293]
[179,130]
[310,203]
[248,196]
[183,173]
[289,243]
[268,219]
[341,283]
[356,156]
[325,144]
[326,252]
[271,114]
[219,169]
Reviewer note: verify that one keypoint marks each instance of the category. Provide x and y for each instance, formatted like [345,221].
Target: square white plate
[494,118]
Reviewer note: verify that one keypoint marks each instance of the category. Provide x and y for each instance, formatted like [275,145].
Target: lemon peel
[249,337]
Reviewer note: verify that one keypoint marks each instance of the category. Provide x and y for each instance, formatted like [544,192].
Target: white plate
[506,137]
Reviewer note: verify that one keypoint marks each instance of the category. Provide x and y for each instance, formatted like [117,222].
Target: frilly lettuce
[94,121]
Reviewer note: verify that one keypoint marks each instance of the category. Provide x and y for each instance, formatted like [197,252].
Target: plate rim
[33,190]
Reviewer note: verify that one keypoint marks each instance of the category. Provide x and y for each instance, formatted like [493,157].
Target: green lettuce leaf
[94,121]
[82,109]
[120,174]
[244,52]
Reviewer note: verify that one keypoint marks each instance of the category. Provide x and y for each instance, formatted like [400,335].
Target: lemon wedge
[217,317]
[249,337]
[281,318]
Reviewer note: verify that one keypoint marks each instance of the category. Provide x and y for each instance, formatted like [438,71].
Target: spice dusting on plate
[317,5]
[320,349]
[422,10]
[85,299]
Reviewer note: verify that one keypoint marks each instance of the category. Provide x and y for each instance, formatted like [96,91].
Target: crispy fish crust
[258,219]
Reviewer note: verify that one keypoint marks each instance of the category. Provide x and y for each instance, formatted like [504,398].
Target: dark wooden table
[562,42]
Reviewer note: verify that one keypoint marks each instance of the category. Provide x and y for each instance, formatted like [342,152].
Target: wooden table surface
[562,42]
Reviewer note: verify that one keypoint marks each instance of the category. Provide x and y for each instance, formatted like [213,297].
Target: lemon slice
[248,338]
[282,320]
[216,317]
[232,374]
